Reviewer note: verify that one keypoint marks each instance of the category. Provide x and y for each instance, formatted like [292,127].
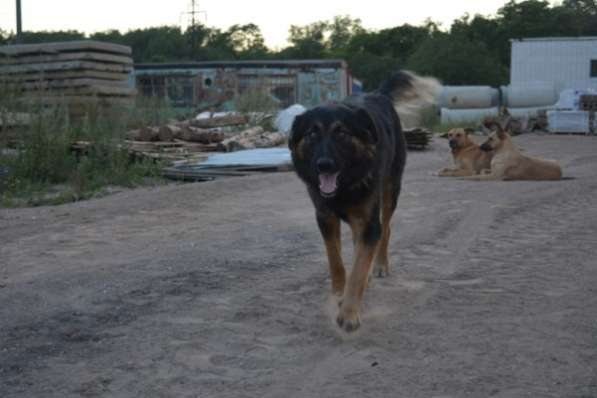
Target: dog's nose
[325,165]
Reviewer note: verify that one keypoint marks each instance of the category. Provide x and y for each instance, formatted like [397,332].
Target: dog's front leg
[367,231]
[447,172]
[329,225]
[484,177]
[456,172]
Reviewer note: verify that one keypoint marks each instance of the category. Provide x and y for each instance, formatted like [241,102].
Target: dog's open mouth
[328,184]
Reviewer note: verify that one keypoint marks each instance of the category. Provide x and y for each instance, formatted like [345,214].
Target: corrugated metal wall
[200,86]
[564,62]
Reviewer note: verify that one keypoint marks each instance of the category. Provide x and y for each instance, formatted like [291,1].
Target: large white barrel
[467,115]
[529,95]
[468,97]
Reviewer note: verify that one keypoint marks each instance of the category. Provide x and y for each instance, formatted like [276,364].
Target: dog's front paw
[380,270]
[348,318]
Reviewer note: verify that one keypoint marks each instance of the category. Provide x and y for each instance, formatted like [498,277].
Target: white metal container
[563,61]
[569,122]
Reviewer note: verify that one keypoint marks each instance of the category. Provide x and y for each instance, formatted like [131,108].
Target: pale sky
[273,17]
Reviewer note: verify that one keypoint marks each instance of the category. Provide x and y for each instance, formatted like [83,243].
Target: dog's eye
[312,135]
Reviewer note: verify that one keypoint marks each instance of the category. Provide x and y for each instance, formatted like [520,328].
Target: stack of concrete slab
[78,74]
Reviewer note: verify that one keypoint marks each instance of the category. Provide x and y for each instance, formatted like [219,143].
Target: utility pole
[195,11]
[19,23]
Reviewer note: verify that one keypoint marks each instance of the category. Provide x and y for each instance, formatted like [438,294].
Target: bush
[44,158]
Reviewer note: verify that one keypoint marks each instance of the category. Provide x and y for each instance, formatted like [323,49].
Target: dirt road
[221,290]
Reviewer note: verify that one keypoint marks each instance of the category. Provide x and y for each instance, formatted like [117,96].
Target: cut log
[145,134]
[166,133]
[193,134]
[250,139]
[269,140]
[240,140]
[229,120]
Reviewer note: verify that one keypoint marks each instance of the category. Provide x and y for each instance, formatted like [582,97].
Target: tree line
[473,50]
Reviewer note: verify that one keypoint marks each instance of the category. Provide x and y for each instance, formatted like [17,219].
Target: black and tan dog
[351,156]
[468,156]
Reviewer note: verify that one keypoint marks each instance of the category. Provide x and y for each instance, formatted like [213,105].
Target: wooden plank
[62,75]
[60,57]
[55,84]
[80,100]
[90,90]
[69,46]
[64,66]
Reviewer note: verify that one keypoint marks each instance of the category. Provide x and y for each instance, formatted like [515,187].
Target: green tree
[457,61]
[247,41]
[56,36]
[307,41]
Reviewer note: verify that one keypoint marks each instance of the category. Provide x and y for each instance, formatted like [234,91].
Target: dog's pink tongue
[328,183]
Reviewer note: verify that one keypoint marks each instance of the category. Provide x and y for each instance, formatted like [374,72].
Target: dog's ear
[468,131]
[297,131]
[367,125]
[503,127]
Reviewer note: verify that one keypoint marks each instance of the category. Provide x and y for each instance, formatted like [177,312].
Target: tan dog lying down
[509,163]
[468,157]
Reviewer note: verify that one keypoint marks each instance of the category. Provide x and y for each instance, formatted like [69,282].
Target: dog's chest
[501,160]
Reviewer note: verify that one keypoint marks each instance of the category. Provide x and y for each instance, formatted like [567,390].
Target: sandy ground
[221,290]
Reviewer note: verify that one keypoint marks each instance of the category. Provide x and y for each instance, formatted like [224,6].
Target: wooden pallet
[77,74]
[418,139]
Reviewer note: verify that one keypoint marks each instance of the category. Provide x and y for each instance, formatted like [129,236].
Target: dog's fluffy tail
[411,94]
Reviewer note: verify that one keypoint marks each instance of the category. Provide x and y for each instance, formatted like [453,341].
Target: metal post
[19,23]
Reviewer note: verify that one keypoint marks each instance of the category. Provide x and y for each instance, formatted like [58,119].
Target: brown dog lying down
[509,163]
[468,157]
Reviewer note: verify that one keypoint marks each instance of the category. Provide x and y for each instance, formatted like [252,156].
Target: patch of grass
[256,100]
[44,169]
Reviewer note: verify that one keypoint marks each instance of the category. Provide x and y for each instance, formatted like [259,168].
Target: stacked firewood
[181,139]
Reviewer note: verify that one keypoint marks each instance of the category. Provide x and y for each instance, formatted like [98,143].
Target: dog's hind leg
[367,228]
[329,226]
[381,267]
